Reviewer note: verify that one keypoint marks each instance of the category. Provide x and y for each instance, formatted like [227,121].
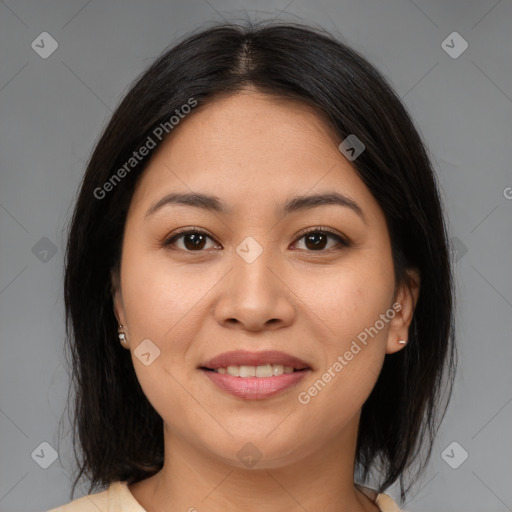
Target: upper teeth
[266,370]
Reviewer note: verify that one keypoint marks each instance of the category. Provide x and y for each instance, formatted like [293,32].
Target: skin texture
[254,152]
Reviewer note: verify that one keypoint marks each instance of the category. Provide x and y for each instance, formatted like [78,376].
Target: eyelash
[321,230]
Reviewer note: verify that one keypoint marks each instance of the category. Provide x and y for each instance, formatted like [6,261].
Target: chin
[259,450]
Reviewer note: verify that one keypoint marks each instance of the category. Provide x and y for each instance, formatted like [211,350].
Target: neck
[194,480]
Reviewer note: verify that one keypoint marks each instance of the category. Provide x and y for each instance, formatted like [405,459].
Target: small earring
[122,335]
[402,342]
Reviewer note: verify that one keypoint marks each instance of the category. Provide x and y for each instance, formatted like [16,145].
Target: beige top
[118,498]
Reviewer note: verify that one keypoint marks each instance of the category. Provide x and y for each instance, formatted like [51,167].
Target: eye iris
[315,240]
[318,244]
[198,240]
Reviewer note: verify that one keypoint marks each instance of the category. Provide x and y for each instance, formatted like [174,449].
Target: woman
[258,287]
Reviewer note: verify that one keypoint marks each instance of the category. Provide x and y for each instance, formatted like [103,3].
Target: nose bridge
[252,295]
[251,273]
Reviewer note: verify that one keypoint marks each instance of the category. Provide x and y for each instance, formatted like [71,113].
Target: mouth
[255,375]
[260,372]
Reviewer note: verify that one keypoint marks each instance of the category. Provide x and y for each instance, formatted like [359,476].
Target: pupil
[313,241]
[197,241]
[317,244]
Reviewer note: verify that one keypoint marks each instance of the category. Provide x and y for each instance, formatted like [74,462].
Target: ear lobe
[407,297]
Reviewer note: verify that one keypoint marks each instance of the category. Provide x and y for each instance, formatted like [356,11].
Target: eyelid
[324,229]
[185,231]
[342,239]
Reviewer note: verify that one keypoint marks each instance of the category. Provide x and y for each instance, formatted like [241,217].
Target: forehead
[252,148]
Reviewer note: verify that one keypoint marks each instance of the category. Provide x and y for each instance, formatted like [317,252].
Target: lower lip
[255,388]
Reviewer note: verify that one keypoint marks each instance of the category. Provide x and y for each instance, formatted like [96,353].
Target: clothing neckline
[383,501]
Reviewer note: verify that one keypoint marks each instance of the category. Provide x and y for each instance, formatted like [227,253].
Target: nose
[255,296]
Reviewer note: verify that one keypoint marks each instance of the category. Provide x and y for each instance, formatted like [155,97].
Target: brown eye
[317,240]
[192,240]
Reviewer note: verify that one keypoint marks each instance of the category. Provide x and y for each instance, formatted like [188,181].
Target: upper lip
[246,358]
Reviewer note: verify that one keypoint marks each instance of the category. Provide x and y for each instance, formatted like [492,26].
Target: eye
[193,240]
[316,239]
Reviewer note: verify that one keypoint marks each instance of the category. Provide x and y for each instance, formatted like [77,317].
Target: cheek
[157,294]
[161,305]
[350,303]
[352,297]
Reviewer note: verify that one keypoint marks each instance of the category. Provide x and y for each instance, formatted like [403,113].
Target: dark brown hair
[120,435]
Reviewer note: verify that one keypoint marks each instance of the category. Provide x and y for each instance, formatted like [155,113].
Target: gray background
[52,111]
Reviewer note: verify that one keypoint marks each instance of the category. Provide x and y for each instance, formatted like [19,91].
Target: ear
[117,297]
[405,303]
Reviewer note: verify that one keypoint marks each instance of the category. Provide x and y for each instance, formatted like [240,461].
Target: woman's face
[253,281]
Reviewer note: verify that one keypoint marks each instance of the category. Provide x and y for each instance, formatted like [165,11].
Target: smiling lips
[255,375]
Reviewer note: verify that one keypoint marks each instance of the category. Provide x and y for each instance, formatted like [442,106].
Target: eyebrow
[292,205]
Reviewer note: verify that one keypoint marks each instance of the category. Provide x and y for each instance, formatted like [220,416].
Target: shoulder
[386,503]
[116,498]
[382,500]
[91,503]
